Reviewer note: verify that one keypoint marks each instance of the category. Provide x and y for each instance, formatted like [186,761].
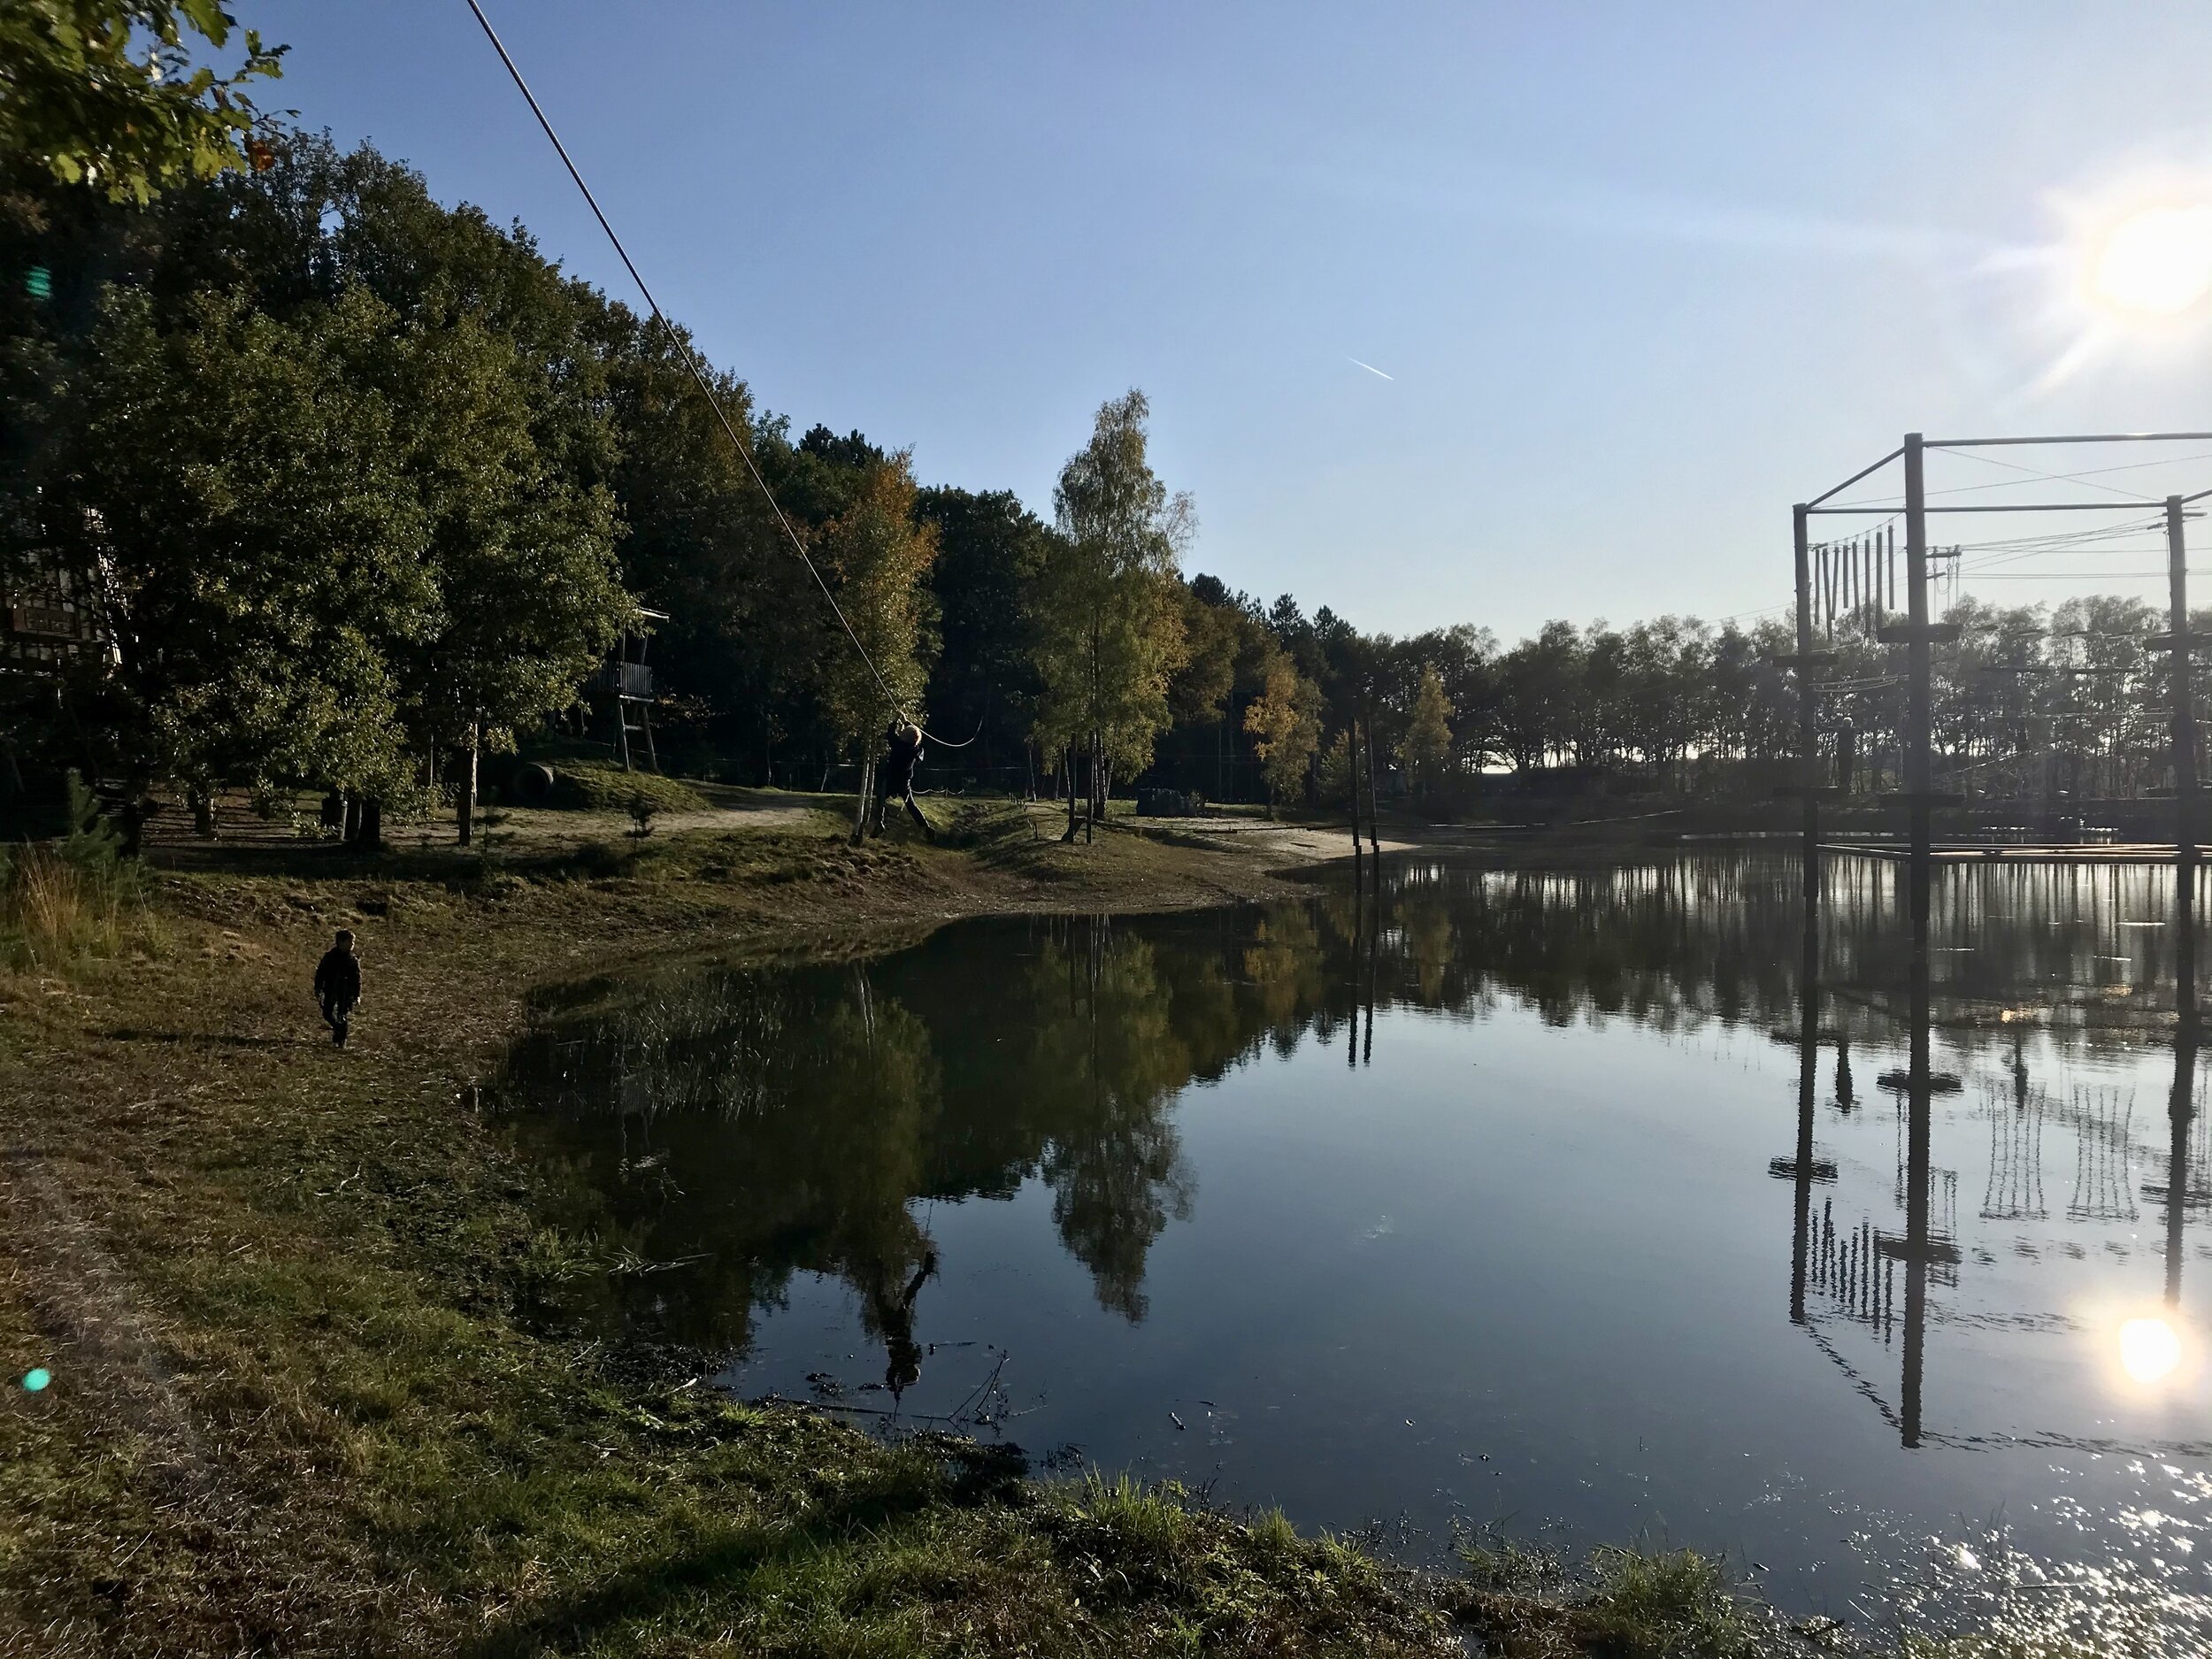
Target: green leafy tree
[984,691]
[1109,623]
[1426,748]
[238,495]
[520,550]
[104,93]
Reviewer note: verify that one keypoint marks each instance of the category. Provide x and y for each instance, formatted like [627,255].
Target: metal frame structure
[1917,633]
[1920,1247]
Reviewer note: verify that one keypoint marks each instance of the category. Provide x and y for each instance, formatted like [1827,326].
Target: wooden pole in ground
[1364,779]
[1351,783]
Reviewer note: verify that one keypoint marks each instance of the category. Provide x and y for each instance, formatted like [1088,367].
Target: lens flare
[2156,263]
[2150,1349]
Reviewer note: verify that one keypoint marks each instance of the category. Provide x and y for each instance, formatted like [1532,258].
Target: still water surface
[1480,1203]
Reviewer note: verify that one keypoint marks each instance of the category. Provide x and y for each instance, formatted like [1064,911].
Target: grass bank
[296,1407]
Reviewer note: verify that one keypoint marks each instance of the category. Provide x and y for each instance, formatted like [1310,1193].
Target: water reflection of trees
[1699,939]
[749,1125]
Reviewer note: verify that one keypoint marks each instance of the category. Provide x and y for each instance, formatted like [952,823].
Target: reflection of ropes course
[2102,1191]
[1864,1387]
[2196,1194]
[2015,1191]
[1854,1273]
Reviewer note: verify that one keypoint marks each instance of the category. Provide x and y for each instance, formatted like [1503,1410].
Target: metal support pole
[1808,709]
[2184,741]
[1917,783]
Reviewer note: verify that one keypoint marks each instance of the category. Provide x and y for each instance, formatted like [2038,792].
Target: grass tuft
[580,784]
[1625,1603]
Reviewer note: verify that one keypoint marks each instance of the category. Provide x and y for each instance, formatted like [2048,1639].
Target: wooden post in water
[1917,782]
[1351,783]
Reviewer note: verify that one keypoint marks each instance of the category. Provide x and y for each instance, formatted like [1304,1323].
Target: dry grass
[57,912]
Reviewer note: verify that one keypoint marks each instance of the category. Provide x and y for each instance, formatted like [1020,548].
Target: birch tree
[1109,616]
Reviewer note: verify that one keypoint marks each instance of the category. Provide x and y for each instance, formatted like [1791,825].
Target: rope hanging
[699,377]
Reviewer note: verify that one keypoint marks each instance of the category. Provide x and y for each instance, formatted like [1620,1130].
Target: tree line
[338,487]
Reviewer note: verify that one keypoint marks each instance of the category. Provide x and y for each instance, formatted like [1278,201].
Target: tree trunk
[465,805]
[1090,790]
[867,794]
[203,814]
[1067,764]
[349,819]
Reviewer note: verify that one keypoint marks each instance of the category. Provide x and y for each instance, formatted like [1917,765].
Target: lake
[1544,1202]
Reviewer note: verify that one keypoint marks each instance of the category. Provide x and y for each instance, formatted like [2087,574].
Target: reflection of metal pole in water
[1374,941]
[2182,1107]
[1918,1092]
[1808,1065]
[1359,941]
[2180,1111]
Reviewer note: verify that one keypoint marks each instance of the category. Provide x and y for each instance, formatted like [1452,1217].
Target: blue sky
[1643,275]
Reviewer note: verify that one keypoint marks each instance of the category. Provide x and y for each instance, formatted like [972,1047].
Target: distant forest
[311,481]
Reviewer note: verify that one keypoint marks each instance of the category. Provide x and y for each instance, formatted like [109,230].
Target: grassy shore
[294,1408]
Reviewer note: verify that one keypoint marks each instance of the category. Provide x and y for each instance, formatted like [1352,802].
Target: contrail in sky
[1370,368]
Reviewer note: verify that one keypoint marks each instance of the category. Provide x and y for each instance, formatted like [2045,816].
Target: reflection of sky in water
[1519,1252]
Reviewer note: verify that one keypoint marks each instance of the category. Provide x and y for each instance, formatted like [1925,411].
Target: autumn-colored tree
[875,556]
[1285,721]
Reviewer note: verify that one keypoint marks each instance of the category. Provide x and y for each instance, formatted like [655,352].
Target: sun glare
[2150,1349]
[2156,263]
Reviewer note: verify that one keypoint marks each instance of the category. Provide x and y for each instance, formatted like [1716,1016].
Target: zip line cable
[691,362]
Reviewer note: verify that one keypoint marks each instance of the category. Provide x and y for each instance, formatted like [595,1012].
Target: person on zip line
[894,773]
